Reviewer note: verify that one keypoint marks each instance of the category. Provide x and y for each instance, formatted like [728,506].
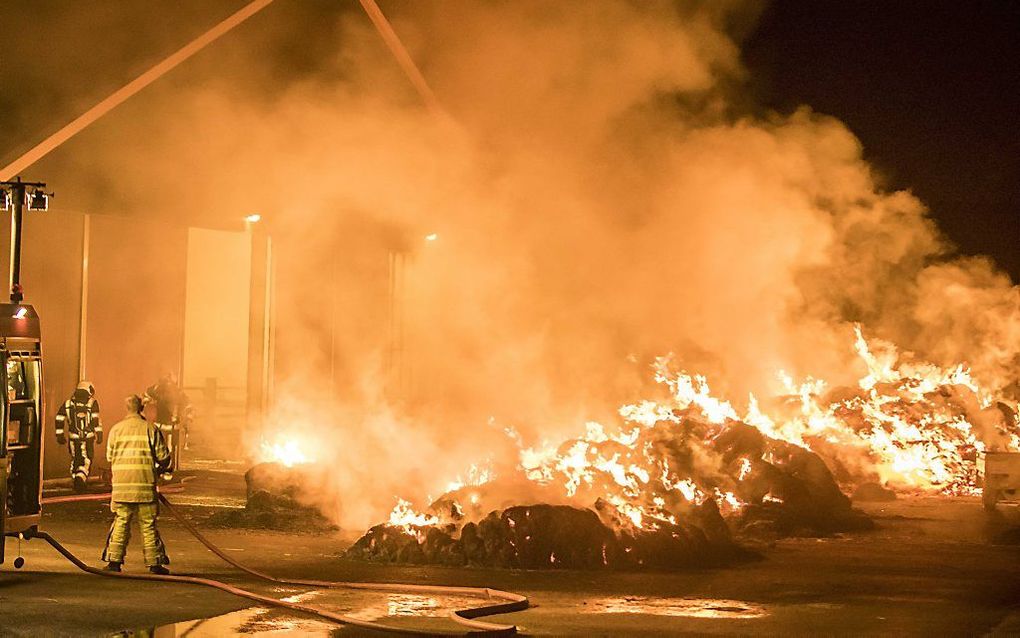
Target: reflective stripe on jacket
[131,448]
[80,418]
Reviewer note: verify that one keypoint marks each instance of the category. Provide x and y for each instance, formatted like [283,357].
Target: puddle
[421,611]
[264,621]
[685,607]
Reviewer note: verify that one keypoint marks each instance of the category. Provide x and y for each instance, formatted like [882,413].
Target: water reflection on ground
[264,621]
[424,611]
[687,607]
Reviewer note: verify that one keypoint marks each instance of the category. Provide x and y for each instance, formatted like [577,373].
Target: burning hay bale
[680,478]
[273,501]
[643,515]
[550,537]
[788,490]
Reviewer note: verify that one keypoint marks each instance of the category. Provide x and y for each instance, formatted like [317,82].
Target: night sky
[931,87]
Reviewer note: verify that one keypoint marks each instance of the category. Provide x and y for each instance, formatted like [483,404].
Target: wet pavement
[932,567]
[427,612]
[393,608]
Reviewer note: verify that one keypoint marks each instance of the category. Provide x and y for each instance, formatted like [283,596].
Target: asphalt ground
[932,566]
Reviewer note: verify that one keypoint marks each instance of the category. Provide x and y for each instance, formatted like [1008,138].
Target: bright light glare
[21,313]
[253,218]
[432,237]
[285,451]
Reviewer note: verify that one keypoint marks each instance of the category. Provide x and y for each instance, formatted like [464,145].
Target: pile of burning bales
[738,484]
[686,481]
[550,536]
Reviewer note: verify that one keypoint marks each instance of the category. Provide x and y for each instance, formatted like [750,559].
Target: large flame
[286,450]
[911,426]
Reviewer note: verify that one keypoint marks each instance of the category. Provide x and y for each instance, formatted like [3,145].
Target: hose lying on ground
[511,602]
[77,498]
[169,488]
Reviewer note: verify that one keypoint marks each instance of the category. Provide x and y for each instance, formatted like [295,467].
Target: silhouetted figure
[79,426]
[137,453]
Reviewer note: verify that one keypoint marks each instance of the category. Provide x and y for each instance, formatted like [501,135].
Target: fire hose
[510,602]
[105,496]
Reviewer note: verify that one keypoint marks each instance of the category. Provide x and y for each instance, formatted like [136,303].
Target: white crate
[1002,478]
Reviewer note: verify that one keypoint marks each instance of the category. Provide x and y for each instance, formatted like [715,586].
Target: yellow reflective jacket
[133,449]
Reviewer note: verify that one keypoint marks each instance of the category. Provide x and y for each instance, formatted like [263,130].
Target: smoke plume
[600,199]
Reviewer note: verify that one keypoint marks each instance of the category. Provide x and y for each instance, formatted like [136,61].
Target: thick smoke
[600,200]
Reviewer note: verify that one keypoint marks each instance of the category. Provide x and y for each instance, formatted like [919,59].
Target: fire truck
[21,384]
[21,446]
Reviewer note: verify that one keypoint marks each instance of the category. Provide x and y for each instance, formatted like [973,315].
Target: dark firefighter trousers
[120,533]
[82,452]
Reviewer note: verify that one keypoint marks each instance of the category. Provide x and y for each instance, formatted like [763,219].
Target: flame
[476,475]
[286,451]
[406,518]
[908,423]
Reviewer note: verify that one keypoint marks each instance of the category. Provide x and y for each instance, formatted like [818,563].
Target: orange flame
[910,421]
[286,451]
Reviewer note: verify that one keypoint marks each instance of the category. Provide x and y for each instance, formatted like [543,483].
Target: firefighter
[137,453]
[170,406]
[79,426]
[187,419]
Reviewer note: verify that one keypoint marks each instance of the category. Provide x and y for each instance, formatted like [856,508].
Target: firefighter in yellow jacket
[137,453]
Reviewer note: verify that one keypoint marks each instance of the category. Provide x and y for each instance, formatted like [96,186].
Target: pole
[258,292]
[86,233]
[403,58]
[332,329]
[76,125]
[18,197]
[269,328]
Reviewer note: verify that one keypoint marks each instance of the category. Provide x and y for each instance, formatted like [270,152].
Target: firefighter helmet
[87,386]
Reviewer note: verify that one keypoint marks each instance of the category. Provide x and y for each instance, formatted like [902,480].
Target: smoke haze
[603,198]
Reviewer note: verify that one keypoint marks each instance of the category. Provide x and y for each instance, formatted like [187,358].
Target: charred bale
[739,440]
[388,544]
[280,483]
[272,491]
[544,536]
